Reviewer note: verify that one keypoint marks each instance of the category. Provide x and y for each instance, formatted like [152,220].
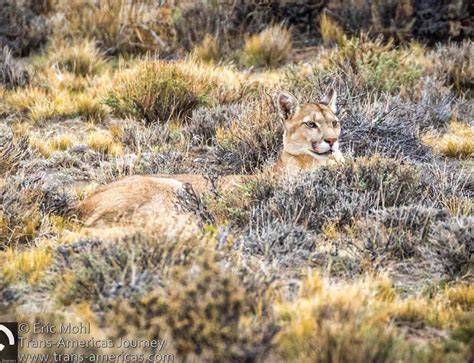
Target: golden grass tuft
[48,146]
[60,94]
[331,33]
[103,141]
[327,320]
[461,296]
[81,58]
[208,50]
[270,48]
[90,107]
[28,265]
[457,142]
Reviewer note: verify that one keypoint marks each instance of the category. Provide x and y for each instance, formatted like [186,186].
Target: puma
[311,139]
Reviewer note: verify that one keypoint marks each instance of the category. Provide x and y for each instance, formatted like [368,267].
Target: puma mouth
[329,152]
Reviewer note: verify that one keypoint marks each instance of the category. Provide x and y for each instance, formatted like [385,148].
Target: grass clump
[270,48]
[47,146]
[29,265]
[81,58]
[60,94]
[208,50]
[457,142]
[352,323]
[104,142]
[331,33]
[160,91]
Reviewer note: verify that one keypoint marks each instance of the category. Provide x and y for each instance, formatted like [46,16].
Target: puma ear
[287,105]
[330,100]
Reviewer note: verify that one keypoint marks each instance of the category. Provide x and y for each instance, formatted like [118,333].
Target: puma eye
[311,125]
[335,124]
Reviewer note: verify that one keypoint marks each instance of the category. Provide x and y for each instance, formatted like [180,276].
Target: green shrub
[163,90]
[381,67]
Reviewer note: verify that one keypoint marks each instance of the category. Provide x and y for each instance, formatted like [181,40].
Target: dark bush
[12,74]
[432,21]
[441,20]
[22,26]
[392,19]
[231,19]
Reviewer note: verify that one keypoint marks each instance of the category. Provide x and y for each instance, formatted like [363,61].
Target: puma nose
[331,141]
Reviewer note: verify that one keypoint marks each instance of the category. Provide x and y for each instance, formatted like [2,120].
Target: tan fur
[135,198]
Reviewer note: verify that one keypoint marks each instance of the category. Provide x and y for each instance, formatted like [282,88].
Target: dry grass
[59,94]
[270,48]
[104,142]
[208,50]
[457,142]
[28,265]
[118,26]
[47,146]
[159,91]
[331,33]
[352,322]
[81,58]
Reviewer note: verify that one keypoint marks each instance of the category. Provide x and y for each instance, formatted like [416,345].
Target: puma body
[310,140]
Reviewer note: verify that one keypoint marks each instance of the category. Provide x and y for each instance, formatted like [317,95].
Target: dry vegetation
[371,261]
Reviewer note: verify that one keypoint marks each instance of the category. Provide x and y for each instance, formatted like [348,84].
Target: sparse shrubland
[371,260]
